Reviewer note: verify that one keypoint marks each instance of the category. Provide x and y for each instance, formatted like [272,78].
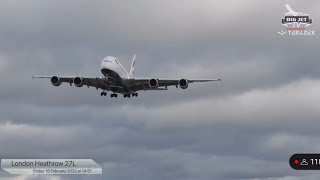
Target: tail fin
[131,73]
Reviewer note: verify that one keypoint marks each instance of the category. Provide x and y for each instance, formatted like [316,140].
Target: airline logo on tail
[296,23]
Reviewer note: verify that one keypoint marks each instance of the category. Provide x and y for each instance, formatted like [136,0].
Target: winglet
[131,72]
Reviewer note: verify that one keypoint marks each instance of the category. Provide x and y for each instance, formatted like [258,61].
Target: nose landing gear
[114,95]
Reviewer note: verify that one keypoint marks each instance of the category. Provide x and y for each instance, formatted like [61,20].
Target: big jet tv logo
[296,23]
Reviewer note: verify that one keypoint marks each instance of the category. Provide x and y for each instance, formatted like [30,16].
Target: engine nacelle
[55,80]
[153,83]
[183,83]
[78,81]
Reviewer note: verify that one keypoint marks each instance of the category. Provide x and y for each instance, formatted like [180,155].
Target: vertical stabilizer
[131,73]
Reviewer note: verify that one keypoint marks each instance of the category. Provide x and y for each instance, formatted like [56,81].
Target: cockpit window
[106,60]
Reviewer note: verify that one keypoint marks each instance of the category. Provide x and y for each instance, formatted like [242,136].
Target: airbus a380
[117,80]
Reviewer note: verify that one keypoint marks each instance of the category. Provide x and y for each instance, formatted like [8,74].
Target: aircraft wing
[143,83]
[97,82]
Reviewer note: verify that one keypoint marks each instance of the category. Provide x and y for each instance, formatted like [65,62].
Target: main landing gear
[103,93]
[116,95]
[128,95]
[111,95]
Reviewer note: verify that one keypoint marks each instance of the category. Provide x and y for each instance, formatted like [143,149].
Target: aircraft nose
[103,64]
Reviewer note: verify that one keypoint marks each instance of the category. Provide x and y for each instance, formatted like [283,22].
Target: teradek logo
[296,23]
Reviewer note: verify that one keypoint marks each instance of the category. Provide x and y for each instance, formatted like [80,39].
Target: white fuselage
[117,75]
[113,64]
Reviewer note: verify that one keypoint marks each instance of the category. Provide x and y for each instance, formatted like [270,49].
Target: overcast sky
[247,127]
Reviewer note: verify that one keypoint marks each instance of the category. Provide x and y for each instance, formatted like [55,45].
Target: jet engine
[77,81]
[55,81]
[183,83]
[153,83]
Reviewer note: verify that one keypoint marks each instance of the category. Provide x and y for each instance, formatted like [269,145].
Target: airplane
[293,13]
[117,80]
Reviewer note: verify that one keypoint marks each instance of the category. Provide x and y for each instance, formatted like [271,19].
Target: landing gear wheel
[103,94]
